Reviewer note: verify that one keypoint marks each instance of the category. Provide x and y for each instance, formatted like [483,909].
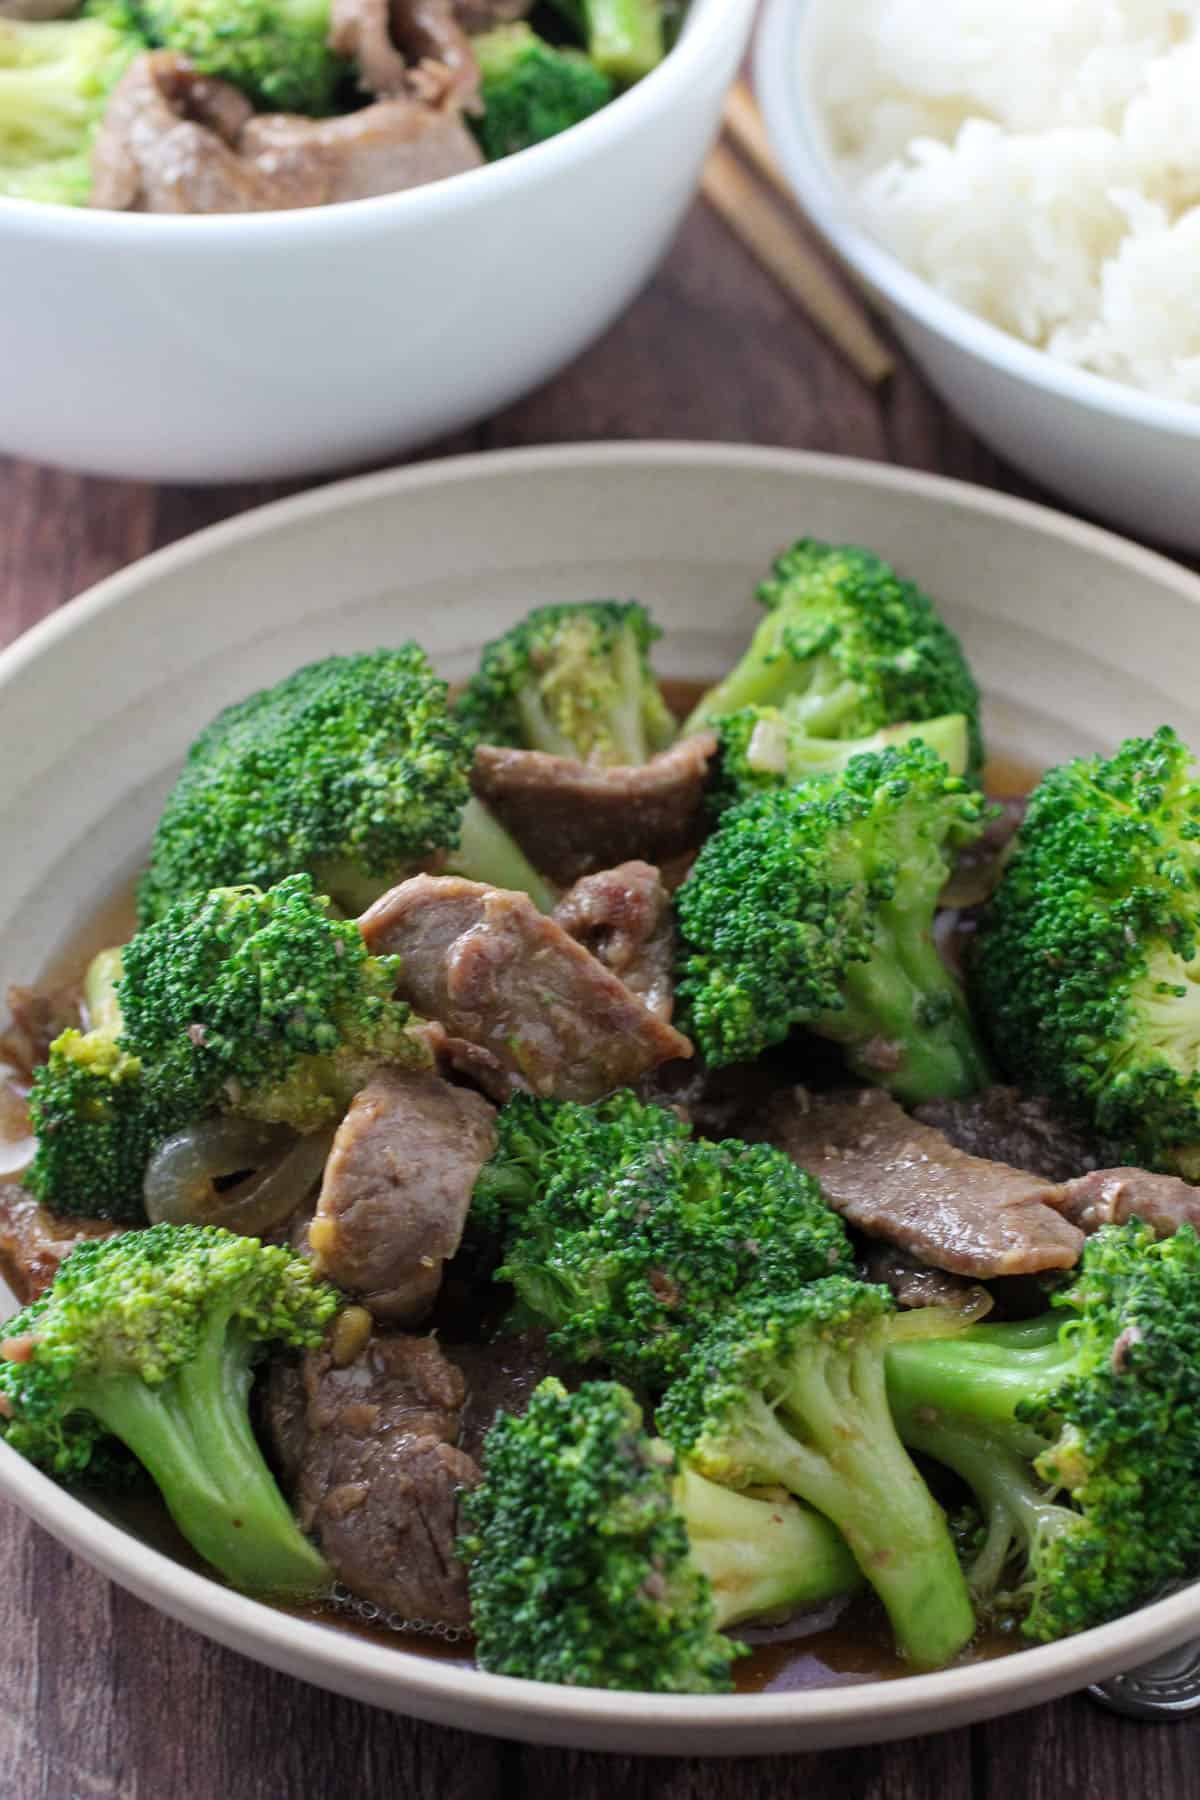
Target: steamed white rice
[1037,161]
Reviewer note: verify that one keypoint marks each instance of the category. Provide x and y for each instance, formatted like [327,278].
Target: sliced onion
[180,1185]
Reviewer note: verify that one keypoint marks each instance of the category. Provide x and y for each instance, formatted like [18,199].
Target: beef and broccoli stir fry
[219,106]
[607,1186]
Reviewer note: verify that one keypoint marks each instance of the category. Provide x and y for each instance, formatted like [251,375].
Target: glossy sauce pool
[847,1643]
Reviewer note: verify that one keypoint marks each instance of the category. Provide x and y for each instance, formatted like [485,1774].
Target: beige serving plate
[1078,638]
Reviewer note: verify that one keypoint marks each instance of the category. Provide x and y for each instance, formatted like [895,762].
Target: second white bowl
[1116,451]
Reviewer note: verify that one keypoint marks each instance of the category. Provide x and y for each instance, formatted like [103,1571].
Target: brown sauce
[857,1647]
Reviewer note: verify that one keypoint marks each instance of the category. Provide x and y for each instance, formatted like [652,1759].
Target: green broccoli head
[55,79]
[1086,969]
[574,681]
[275,51]
[532,90]
[351,769]
[814,906]
[577,1557]
[632,1265]
[245,1002]
[263,1004]
[548,1151]
[762,748]
[847,648]
[1079,1434]
[789,1389]
[98,1121]
[150,1338]
[624,38]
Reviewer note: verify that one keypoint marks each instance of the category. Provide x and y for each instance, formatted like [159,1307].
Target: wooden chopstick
[775,240]
[744,123]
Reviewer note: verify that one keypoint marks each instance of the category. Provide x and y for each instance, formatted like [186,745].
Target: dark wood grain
[103,1698]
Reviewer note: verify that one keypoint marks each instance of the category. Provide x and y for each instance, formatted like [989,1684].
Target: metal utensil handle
[1167,1687]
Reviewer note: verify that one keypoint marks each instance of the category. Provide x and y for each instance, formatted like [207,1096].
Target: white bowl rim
[706,23]
[503,1703]
[781,81]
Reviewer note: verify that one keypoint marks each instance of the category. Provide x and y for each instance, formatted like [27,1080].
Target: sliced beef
[481,15]
[397,1188]
[430,33]
[895,1178]
[33,1241]
[916,1285]
[1023,1130]
[500,1376]
[981,864]
[624,917]
[495,972]
[1114,1196]
[178,142]
[571,819]
[407,47]
[35,1020]
[366,1450]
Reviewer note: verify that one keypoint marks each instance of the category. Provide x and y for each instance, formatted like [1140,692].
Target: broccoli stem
[981,1376]
[769,675]
[625,37]
[1020,1517]
[835,1446]
[100,992]
[487,852]
[905,1025]
[761,1557]
[193,1433]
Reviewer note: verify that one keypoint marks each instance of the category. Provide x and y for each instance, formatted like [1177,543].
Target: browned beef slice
[431,34]
[1003,1125]
[915,1284]
[1114,1196]
[500,1377]
[480,15]
[397,1189]
[366,1452]
[494,971]
[33,1241]
[572,820]
[897,1179]
[624,917]
[177,142]
[35,1021]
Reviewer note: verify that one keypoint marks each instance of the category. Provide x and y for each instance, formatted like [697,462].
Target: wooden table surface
[102,1697]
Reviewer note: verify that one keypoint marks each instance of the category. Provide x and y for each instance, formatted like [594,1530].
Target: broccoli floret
[574,681]
[98,1121]
[151,1338]
[253,1003]
[1079,1434]
[55,79]
[1086,971]
[761,748]
[814,906]
[264,1004]
[790,1390]
[631,1266]
[351,769]
[594,1562]
[531,90]
[624,38]
[275,51]
[549,1151]
[846,649]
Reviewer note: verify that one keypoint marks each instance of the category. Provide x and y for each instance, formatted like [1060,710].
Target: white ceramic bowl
[1112,449]
[450,552]
[239,347]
